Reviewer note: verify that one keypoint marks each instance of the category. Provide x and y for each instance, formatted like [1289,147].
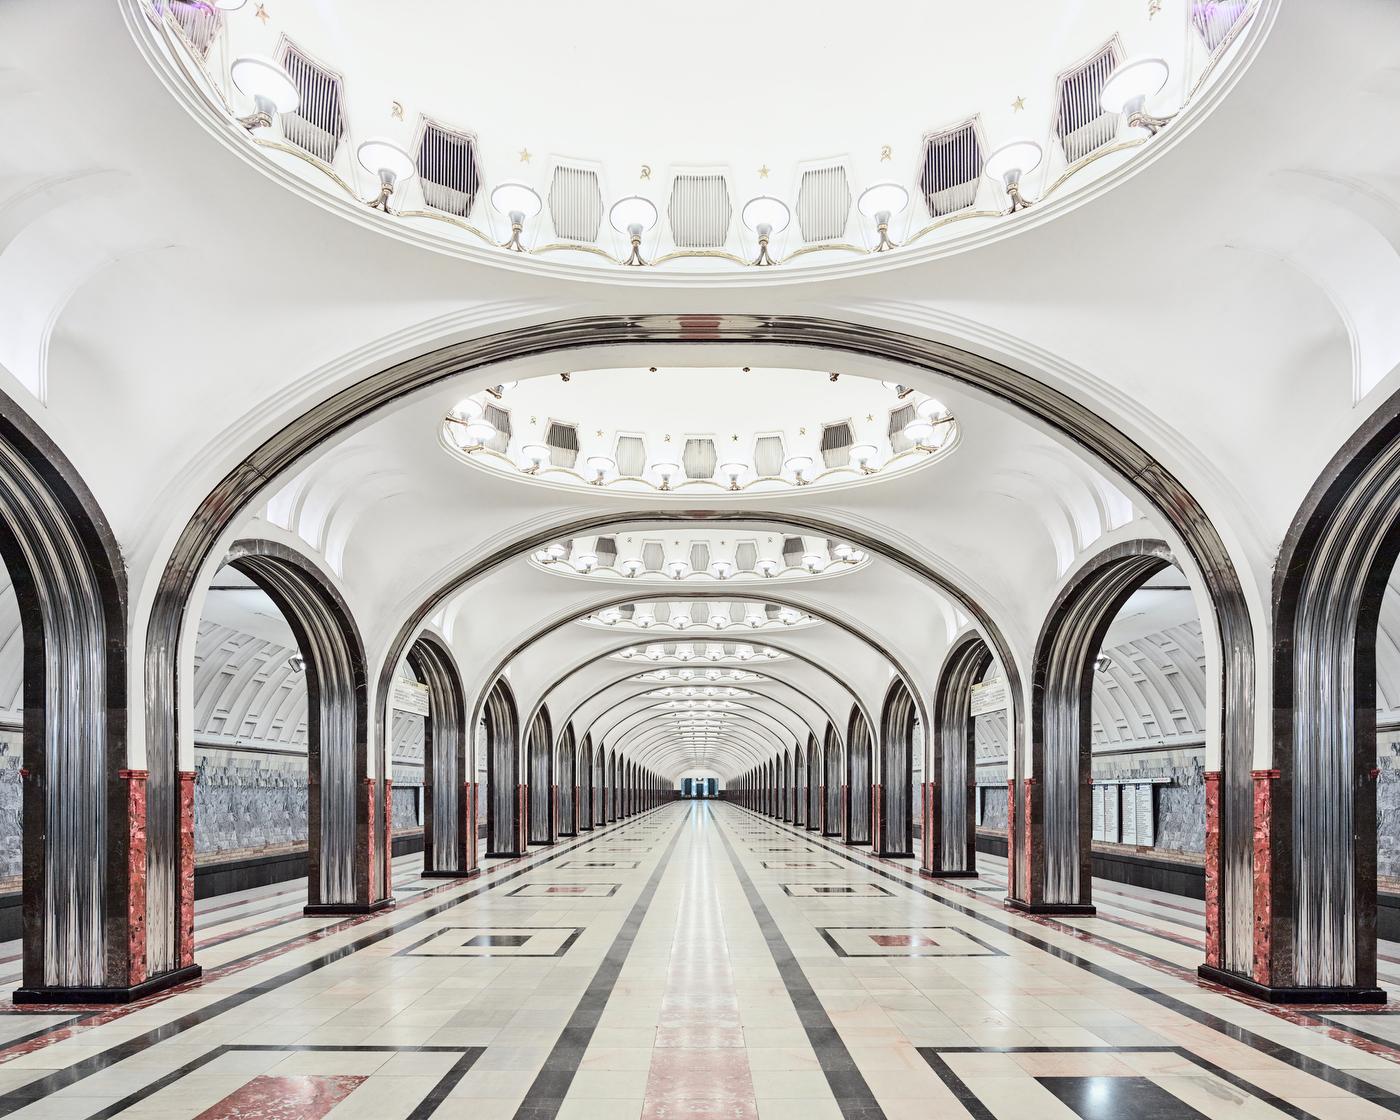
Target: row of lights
[633,566]
[712,653]
[926,432]
[273,92]
[788,616]
[737,675]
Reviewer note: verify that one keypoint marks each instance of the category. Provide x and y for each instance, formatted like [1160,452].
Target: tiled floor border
[16,1099]
[551,1085]
[1333,1076]
[848,1084]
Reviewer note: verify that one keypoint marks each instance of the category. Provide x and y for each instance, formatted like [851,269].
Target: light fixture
[717,621]
[611,616]
[390,163]
[1129,87]
[666,472]
[920,433]
[557,551]
[601,466]
[900,391]
[678,569]
[477,432]
[880,203]
[632,567]
[814,562]
[863,455]
[765,216]
[229,5]
[722,569]
[536,454]
[789,617]
[733,471]
[766,567]
[683,653]
[585,562]
[1008,164]
[645,621]
[633,216]
[518,202]
[1103,663]
[296,663]
[799,465]
[743,653]
[270,87]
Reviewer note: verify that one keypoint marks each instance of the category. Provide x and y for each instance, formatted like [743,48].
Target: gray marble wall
[994,807]
[11,750]
[1388,808]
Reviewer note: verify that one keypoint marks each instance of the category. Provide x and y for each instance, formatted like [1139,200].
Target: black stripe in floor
[551,1084]
[1357,1086]
[27,1094]
[848,1085]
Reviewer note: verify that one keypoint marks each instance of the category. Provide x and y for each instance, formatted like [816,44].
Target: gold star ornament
[1018,104]
[261,14]
[525,155]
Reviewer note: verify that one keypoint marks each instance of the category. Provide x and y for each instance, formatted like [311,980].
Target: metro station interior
[746,562]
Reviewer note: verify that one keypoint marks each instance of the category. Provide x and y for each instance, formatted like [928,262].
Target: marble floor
[699,961]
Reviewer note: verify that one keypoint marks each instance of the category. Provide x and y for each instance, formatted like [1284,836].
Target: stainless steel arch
[950,824]
[1072,420]
[449,843]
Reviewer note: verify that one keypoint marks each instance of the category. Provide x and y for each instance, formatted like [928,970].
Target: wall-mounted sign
[409,696]
[989,696]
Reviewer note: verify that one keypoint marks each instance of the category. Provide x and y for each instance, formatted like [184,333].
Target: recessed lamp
[633,216]
[678,569]
[814,562]
[518,202]
[842,550]
[920,433]
[477,432]
[601,466]
[722,569]
[765,215]
[632,567]
[799,465]
[1008,163]
[666,472]
[766,566]
[391,163]
[465,410]
[1129,87]
[585,562]
[864,455]
[557,551]
[270,87]
[536,455]
[880,203]
[733,472]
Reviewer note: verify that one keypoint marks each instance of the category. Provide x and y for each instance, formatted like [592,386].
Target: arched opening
[814,784]
[449,827]
[587,785]
[347,871]
[859,793]
[799,790]
[1334,696]
[1064,803]
[505,798]
[950,830]
[834,790]
[540,786]
[893,796]
[567,769]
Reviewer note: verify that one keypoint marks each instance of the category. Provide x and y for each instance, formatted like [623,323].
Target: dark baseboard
[108,995]
[319,909]
[1066,909]
[927,874]
[1249,987]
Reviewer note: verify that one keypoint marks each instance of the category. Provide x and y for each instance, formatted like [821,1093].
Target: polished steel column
[953,812]
[502,772]
[896,773]
[446,822]
[858,762]
[567,768]
[541,779]
[834,771]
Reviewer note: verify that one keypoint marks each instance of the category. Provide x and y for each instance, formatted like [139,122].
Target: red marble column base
[1213,893]
[186,884]
[365,902]
[136,875]
[466,854]
[1271,994]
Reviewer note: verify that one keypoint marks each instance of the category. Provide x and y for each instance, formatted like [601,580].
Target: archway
[540,786]
[814,784]
[1057,411]
[568,795]
[799,791]
[505,793]
[449,818]
[950,798]
[834,790]
[587,786]
[892,827]
[859,792]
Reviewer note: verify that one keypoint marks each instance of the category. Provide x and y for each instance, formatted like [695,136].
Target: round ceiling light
[883,198]
[766,211]
[266,83]
[632,215]
[384,157]
[516,198]
[1133,83]
[1020,157]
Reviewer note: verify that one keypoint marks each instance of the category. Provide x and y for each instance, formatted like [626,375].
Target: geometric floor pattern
[712,977]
